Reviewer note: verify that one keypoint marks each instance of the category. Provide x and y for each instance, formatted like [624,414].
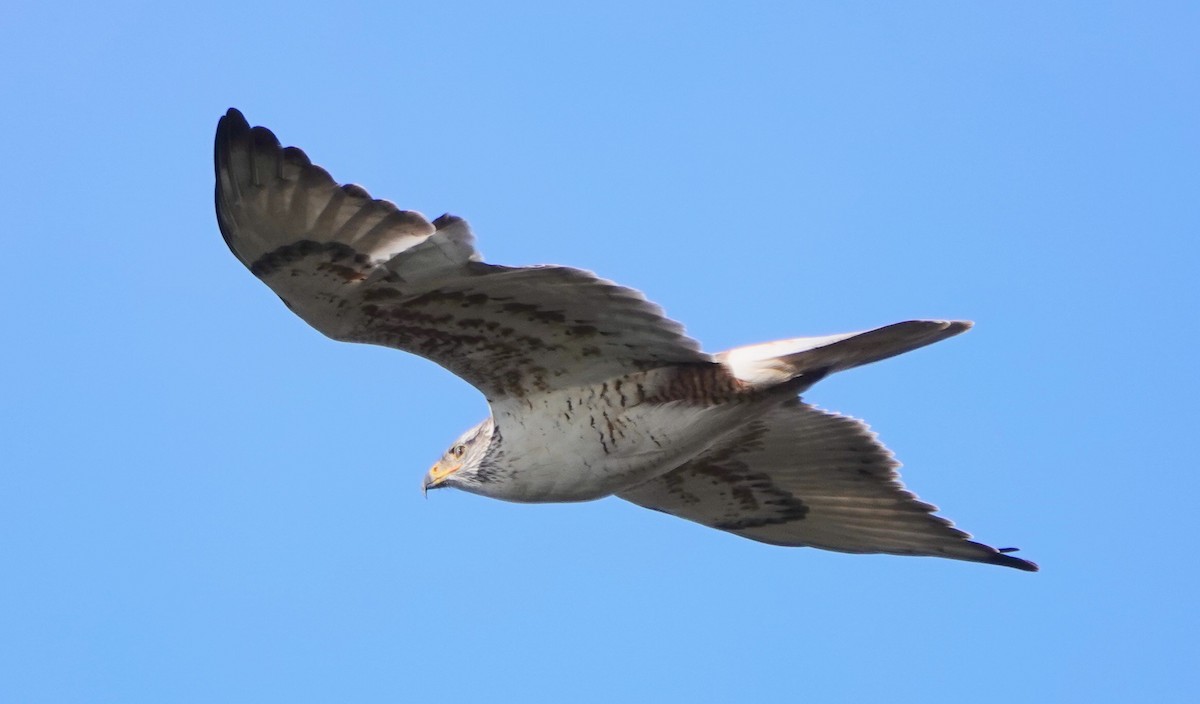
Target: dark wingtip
[231,125]
[231,122]
[1005,560]
[445,220]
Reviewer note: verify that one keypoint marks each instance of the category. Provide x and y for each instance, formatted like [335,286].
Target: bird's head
[461,466]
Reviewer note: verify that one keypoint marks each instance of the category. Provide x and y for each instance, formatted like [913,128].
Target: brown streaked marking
[535,313]
[343,272]
[280,257]
[381,293]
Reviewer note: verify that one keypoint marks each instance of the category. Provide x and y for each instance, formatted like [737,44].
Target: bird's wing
[801,476]
[362,270]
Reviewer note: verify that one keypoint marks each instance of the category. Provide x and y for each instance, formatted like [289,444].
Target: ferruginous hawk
[593,392]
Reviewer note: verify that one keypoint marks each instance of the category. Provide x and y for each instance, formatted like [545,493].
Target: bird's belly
[565,448]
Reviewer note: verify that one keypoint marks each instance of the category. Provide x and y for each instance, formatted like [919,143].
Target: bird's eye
[459,450]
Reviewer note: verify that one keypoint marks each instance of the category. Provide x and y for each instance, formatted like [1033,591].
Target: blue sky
[203,500]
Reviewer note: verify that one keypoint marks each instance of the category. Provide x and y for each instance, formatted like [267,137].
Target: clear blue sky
[203,500]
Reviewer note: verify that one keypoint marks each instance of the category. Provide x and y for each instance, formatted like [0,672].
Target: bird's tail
[773,363]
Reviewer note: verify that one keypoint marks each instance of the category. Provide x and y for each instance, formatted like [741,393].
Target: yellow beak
[437,474]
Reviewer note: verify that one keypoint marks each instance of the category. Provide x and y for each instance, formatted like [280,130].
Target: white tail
[772,363]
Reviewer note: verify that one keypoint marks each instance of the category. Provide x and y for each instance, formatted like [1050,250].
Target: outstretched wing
[801,476]
[362,270]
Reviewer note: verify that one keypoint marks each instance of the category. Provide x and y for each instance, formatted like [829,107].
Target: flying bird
[593,391]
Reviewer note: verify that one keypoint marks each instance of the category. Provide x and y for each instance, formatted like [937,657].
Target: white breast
[589,442]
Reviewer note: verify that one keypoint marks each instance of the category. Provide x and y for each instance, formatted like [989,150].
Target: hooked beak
[437,474]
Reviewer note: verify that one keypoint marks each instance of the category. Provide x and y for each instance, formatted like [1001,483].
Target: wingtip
[947,328]
[233,125]
[230,127]
[1003,559]
[233,119]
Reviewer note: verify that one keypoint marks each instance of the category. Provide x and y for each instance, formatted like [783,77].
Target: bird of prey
[592,390]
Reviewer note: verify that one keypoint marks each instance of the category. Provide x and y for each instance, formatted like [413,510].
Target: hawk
[593,392]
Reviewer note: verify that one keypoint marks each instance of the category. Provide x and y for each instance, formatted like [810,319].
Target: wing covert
[360,269]
[801,476]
